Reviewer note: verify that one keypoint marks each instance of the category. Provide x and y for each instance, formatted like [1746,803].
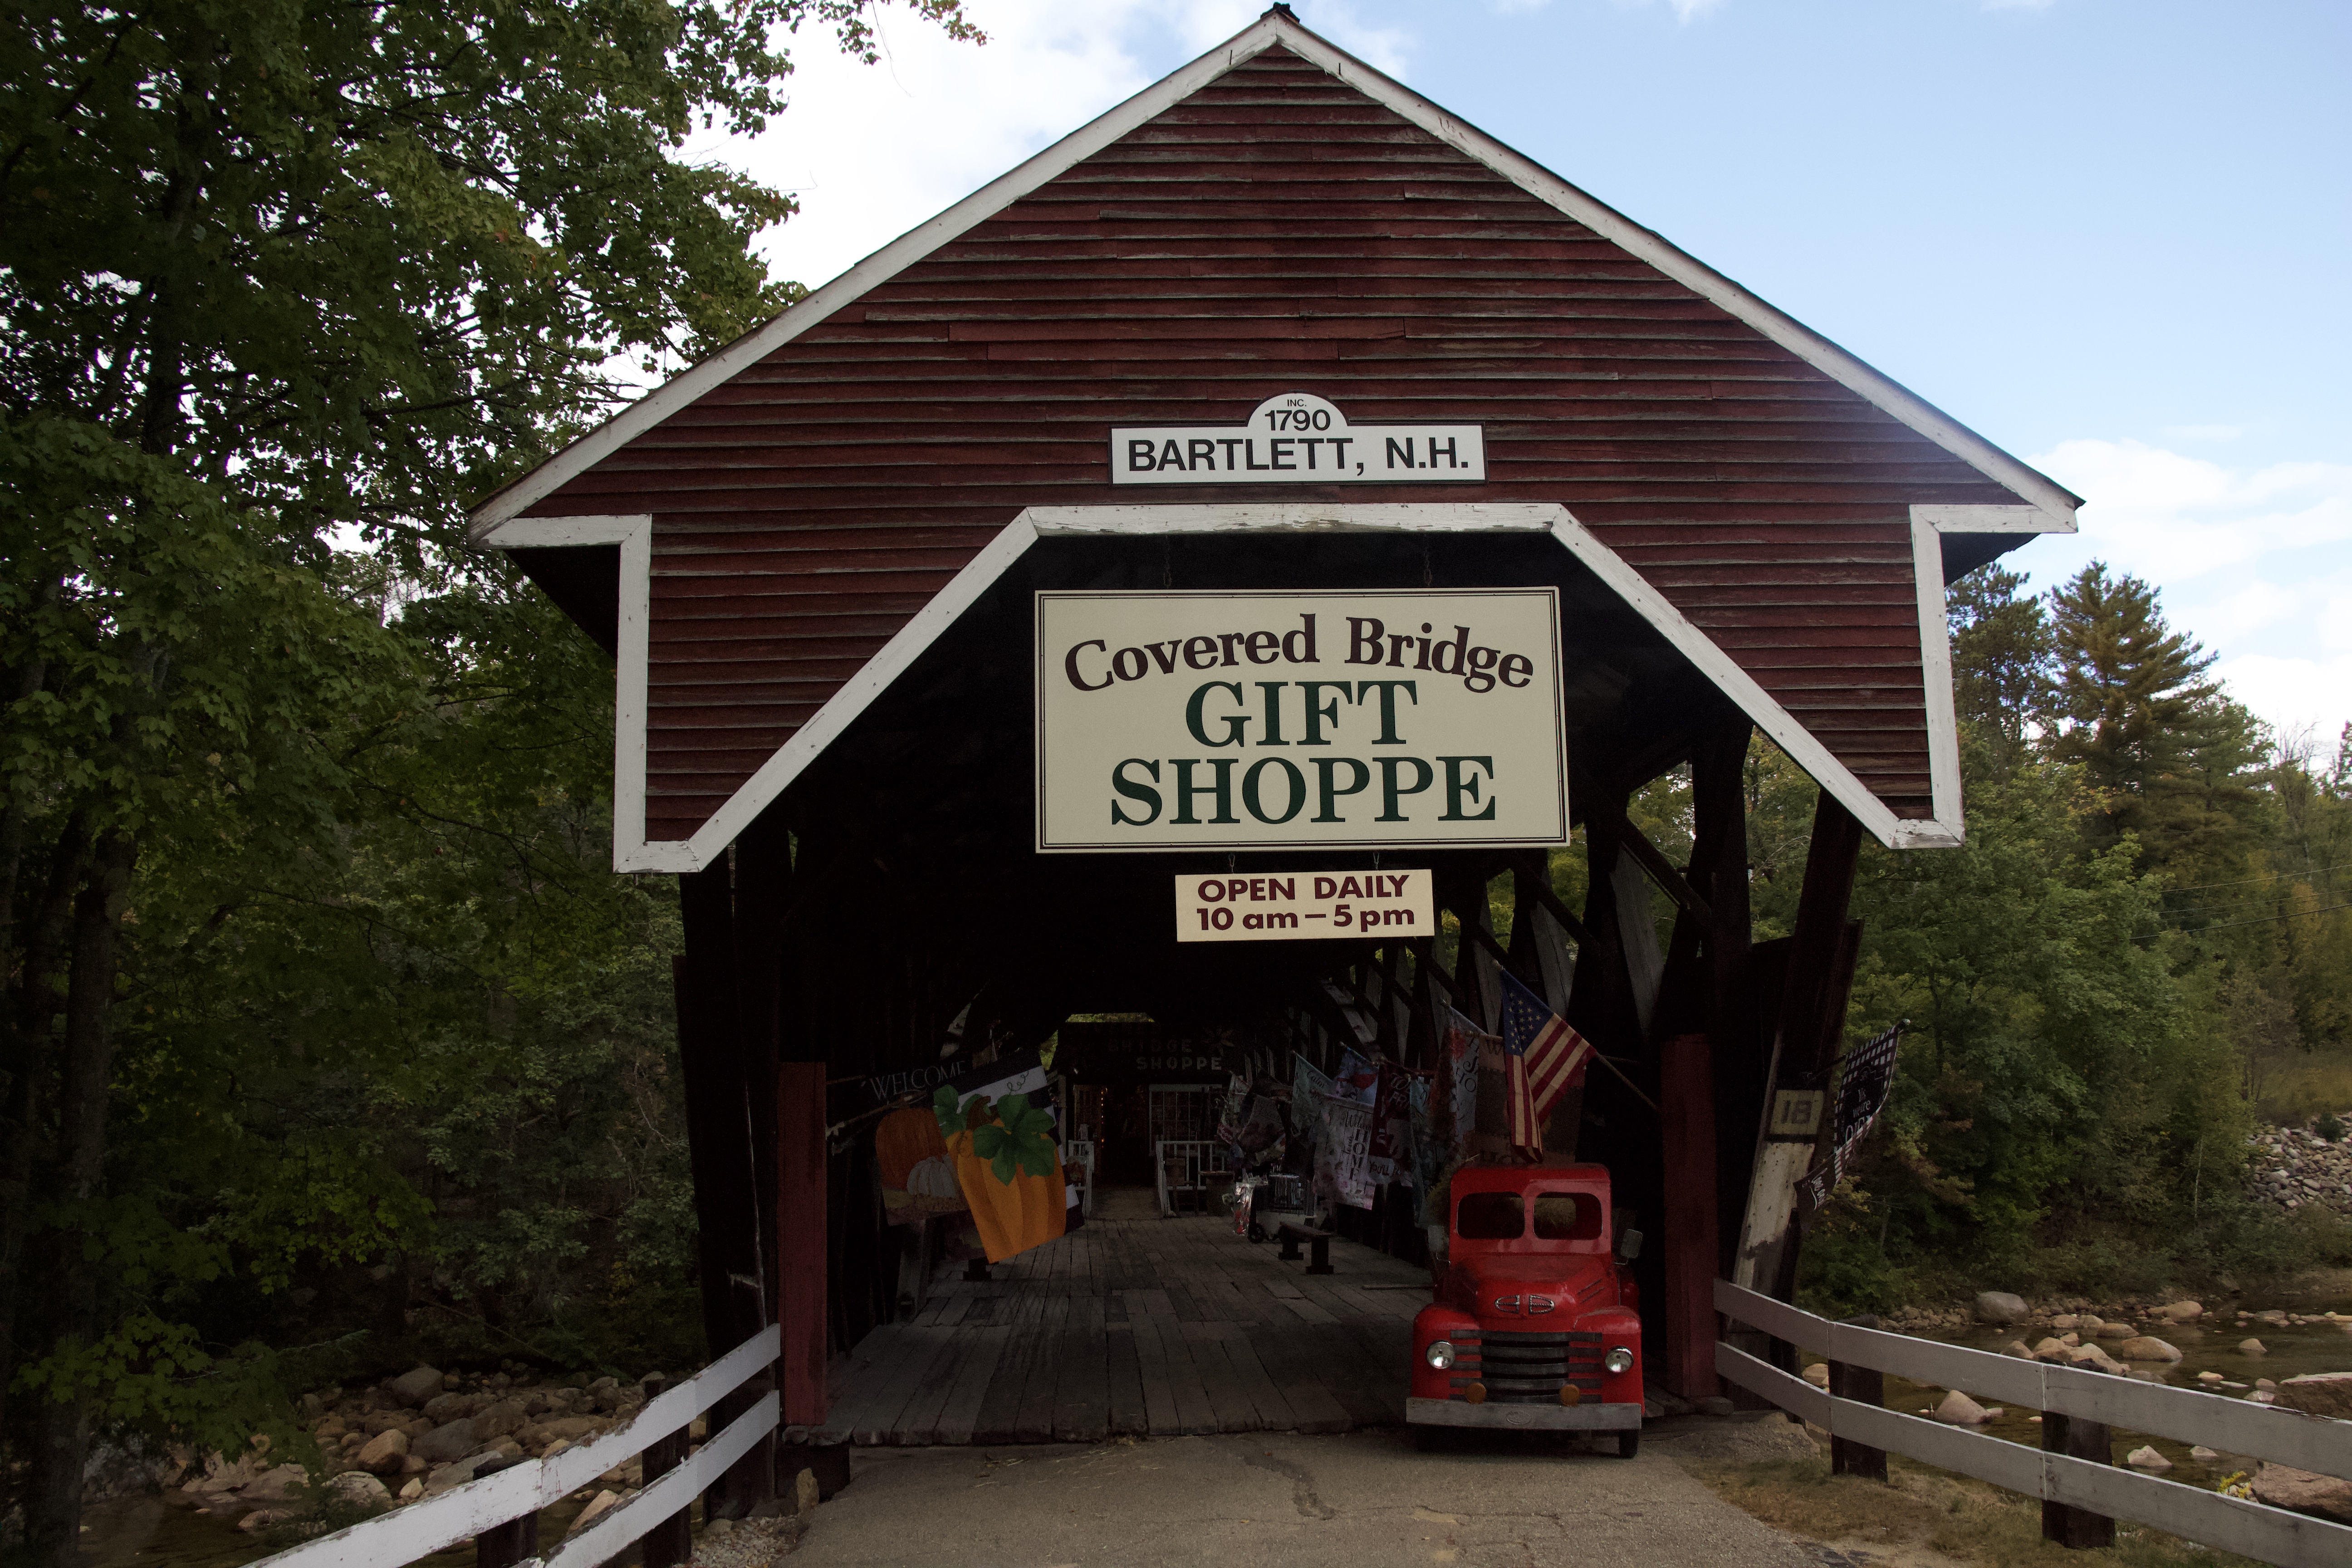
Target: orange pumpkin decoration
[1011,1216]
[903,1140]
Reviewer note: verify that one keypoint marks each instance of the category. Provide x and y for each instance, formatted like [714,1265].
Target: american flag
[1544,1058]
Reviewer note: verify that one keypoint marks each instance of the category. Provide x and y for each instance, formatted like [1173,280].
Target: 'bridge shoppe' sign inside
[1262,720]
[1298,439]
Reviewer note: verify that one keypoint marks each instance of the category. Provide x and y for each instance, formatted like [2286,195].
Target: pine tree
[2000,664]
[2137,713]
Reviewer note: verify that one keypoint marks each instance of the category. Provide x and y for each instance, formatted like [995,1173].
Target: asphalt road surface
[1362,1499]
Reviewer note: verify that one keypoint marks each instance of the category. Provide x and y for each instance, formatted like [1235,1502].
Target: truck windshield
[1502,1217]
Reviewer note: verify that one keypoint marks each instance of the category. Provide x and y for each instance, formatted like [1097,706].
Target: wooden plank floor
[1139,1327]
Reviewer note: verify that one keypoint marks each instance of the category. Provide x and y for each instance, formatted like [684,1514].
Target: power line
[2263,919]
[2265,876]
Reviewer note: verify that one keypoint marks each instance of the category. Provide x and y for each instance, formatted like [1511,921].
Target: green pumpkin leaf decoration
[949,1111]
[1021,1141]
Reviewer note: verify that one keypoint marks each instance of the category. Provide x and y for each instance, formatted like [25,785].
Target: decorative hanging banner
[1298,439]
[1343,1158]
[1865,1077]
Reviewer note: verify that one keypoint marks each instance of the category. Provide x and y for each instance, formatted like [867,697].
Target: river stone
[417,1386]
[358,1487]
[498,1420]
[2146,1458]
[2001,1307]
[2147,1347]
[443,1407]
[2327,1496]
[383,1454]
[261,1519]
[2320,1393]
[276,1484]
[453,1440]
[2114,1330]
[1959,1410]
[573,1428]
[2252,1347]
[598,1507]
[2182,1312]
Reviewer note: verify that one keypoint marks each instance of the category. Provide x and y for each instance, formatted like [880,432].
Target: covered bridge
[1274,328]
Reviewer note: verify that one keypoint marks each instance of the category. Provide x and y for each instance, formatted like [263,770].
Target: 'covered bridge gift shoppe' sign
[1262,720]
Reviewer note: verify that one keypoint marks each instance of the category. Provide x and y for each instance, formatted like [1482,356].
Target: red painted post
[1686,1130]
[801,1240]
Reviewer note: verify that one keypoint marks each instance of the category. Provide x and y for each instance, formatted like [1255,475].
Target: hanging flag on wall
[1865,1077]
[1544,1058]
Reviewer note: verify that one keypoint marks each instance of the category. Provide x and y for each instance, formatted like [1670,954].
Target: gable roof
[2052,505]
[790,521]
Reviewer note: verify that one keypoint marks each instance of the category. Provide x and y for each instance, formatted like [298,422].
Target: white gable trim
[633,852]
[2043,494]
[631,661]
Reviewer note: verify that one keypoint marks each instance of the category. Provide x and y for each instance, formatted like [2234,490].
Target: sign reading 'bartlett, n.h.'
[1260,720]
[1297,438]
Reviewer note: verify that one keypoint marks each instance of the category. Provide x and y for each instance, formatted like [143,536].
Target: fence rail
[2250,1528]
[520,1491]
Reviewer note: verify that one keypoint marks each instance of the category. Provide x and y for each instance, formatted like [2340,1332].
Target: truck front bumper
[1592,1417]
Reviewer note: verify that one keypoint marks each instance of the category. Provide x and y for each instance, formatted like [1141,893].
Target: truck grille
[1525,1369]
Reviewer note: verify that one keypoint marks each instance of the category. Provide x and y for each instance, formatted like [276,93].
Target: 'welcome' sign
[1262,720]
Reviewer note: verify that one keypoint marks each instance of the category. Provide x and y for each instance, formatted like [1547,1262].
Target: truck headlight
[1618,1358]
[1440,1354]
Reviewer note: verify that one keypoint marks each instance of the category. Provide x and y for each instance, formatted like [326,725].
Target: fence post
[671,1542]
[516,1540]
[1867,1385]
[2076,1528]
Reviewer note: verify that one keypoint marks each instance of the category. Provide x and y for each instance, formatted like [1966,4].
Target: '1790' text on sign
[1256,720]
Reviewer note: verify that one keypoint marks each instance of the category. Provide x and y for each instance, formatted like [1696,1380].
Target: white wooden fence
[423,1528]
[2232,1426]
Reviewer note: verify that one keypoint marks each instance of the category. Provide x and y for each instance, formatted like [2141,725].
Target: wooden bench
[1318,1245]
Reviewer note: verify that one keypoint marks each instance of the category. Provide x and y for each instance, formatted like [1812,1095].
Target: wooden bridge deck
[1142,1327]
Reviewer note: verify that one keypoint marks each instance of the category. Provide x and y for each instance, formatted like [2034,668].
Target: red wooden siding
[1276,231]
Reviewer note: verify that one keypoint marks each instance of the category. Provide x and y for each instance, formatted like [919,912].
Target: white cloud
[1683,9]
[2256,563]
[2170,517]
[871,151]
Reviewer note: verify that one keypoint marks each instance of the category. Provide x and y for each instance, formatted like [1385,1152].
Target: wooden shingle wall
[1277,231]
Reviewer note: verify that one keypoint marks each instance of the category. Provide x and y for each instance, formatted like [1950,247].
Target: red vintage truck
[1535,1326]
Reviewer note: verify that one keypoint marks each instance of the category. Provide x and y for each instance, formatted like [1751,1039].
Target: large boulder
[2182,1312]
[446,1407]
[2001,1307]
[2147,1347]
[2325,1496]
[452,1440]
[383,1454]
[2320,1393]
[1959,1410]
[2146,1458]
[416,1386]
[276,1484]
[2252,1347]
[574,1427]
[498,1420]
[358,1487]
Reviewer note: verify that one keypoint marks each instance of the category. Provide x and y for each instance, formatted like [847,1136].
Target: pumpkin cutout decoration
[933,1178]
[904,1140]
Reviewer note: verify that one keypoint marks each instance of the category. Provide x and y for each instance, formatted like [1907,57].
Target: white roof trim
[631,661]
[1274,27]
[633,852]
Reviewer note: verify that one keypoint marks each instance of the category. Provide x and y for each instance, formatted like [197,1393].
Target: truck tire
[1629,1443]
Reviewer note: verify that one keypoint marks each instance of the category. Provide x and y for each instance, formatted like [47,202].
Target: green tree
[2000,664]
[271,275]
[2170,752]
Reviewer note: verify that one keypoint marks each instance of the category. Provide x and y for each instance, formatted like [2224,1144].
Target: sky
[2110,235]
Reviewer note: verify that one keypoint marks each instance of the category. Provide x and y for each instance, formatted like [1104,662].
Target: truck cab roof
[1500,1211]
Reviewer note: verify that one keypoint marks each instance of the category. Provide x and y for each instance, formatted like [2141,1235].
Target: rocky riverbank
[410,1437]
[2294,1166]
